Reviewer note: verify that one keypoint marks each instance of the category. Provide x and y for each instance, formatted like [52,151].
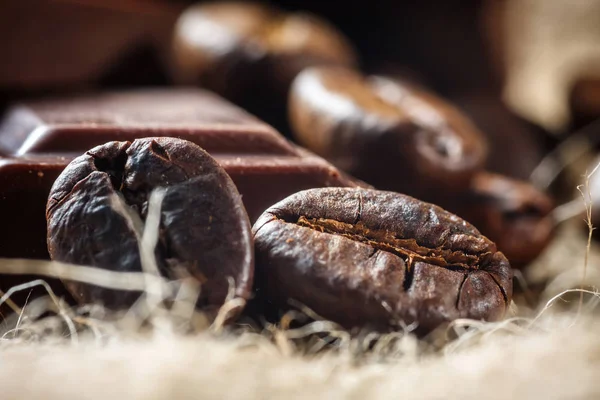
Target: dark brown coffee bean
[584,101]
[517,145]
[204,228]
[512,213]
[388,134]
[250,53]
[366,257]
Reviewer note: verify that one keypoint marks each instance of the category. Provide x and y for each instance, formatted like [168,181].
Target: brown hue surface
[24,188]
[585,101]
[262,180]
[50,43]
[265,180]
[264,166]
[512,213]
[366,257]
[516,145]
[386,133]
[204,228]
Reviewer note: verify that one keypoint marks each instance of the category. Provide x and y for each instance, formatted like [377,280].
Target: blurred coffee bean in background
[250,53]
[512,213]
[584,101]
[386,132]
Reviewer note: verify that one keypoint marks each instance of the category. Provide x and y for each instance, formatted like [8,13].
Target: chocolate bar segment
[76,124]
[264,180]
[24,187]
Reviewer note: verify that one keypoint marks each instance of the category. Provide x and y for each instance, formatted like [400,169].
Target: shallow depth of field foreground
[547,350]
[557,360]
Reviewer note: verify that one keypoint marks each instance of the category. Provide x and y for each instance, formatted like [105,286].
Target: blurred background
[526,71]
[535,55]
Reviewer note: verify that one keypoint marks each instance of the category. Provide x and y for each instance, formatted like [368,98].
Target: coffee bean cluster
[368,194]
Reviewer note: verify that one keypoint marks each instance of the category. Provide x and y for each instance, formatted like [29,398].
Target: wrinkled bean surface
[204,230]
[366,257]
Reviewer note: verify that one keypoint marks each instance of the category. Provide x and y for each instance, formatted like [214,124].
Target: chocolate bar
[24,186]
[41,137]
[76,124]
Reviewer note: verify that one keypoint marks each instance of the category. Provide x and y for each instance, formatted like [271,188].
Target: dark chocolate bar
[24,187]
[512,213]
[42,137]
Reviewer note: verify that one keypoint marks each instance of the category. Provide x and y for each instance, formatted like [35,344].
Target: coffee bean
[366,257]
[584,101]
[517,145]
[204,228]
[388,134]
[512,213]
[250,53]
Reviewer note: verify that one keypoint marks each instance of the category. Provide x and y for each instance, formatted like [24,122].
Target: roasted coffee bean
[24,186]
[365,257]
[584,101]
[204,229]
[250,53]
[512,213]
[385,133]
[517,145]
